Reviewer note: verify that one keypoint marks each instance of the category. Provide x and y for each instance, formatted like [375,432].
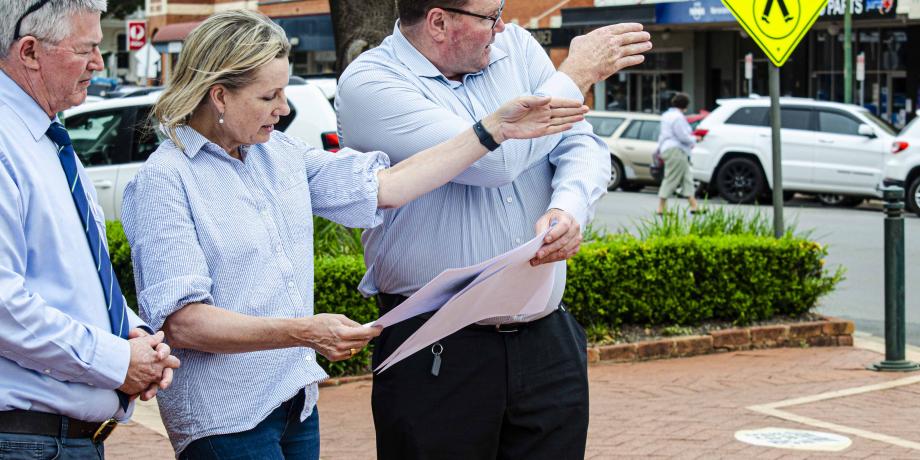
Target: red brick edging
[830,332]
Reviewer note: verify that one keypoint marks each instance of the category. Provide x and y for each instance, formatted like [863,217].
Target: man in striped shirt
[513,387]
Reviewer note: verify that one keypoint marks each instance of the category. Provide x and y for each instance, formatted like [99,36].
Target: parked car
[903,166]
[632,138]
[114,137]
[833,150]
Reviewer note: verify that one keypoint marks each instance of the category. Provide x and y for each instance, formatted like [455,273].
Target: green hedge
[685,280]
[674,280]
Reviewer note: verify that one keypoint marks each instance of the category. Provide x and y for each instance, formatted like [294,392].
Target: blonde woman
[220,224]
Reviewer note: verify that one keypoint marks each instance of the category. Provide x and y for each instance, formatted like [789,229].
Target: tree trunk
[359,25]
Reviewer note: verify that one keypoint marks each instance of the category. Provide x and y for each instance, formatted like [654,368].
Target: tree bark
[359,25]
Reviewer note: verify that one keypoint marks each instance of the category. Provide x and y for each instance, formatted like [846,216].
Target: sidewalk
[678,408]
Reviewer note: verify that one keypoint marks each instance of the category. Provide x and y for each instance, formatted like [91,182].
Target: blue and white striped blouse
[206,227]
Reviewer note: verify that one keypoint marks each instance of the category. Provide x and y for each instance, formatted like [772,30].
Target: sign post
[137,39]
[749,72]
[777,26]
[861,76]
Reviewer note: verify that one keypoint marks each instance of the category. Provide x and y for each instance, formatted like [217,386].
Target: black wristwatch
[485,138]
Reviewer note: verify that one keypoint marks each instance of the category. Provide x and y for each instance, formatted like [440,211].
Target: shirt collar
[420,65]
[21,104]
[194,142]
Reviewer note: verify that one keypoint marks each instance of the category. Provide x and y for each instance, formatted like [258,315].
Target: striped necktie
[115,302]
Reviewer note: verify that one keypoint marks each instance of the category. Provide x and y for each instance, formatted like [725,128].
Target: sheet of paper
[509,286]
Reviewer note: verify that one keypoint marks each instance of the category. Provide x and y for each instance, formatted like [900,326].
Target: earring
[221,119]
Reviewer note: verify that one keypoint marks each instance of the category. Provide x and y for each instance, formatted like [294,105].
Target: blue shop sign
[692,12]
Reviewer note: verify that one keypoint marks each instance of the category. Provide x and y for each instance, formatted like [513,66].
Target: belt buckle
[104,430]
[498,328]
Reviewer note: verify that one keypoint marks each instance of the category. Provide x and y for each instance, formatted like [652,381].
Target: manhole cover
[785,438]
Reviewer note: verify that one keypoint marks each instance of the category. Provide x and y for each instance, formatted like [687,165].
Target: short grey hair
[51,22]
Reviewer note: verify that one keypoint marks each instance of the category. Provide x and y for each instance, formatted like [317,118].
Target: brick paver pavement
[680,408]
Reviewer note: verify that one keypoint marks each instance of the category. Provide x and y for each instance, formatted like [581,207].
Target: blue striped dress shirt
[205,227]
[394,99]
[57,351]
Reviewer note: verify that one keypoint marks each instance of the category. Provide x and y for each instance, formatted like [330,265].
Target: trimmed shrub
[120,253]
[689,279]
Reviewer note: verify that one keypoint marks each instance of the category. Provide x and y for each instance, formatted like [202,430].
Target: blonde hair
[226,49]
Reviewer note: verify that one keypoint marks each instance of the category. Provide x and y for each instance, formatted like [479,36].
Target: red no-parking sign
[137,35]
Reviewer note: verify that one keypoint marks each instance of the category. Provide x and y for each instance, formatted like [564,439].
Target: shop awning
[602,16]
[174,32]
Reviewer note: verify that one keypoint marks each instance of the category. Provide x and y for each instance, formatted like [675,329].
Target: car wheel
[913,196]
[740,180]
[616,174]
[833,199]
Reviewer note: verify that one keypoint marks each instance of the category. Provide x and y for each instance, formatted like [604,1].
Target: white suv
[903,167]
[114,137]
[833,150]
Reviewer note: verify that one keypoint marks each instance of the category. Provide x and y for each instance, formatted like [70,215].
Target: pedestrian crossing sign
[776,25]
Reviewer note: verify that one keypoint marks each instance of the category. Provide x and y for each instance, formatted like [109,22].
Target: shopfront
[700,50]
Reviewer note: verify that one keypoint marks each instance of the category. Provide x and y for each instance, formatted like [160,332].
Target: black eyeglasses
[494,19]
[32,9]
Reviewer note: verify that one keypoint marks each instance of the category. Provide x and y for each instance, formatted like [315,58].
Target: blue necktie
[115,302]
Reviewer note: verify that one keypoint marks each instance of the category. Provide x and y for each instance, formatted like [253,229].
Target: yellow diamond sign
[776,25]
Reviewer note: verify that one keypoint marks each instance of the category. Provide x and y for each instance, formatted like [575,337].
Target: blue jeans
[37,447]
[280,436]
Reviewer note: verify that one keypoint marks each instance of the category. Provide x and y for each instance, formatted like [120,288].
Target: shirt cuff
[165,298]
[109,365]
[560,85]
[572,204]
[135,321]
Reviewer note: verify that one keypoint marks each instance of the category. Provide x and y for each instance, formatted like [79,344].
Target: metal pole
[895,320]
[778,227]
[848,53]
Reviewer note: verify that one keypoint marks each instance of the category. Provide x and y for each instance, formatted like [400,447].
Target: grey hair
[51,22]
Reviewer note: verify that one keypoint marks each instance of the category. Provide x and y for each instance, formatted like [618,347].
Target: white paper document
[505,285]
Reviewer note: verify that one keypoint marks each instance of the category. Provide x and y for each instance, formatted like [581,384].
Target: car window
[95,136]
[286,120]
[837,123]
[605,126]
[649,131]
[147,137]
[632,131]
[793,118]
[751,116]
[882,123]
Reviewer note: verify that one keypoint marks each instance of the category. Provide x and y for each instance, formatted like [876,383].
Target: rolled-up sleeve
[343,185]
[169,266]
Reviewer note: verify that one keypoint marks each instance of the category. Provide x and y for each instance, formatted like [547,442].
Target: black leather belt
[387,302]
[45,424]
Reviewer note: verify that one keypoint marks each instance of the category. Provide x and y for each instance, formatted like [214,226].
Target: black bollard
[895,332]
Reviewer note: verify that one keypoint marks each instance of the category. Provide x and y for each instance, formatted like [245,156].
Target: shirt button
[278,248]
[309,358]
[291,284]
[47,371]
[517,240]
[509,199]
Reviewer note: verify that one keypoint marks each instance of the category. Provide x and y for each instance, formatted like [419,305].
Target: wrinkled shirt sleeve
[170,269]
[37,335]
[387,106]
[344,184]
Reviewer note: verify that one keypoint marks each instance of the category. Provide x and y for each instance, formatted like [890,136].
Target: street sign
[137,35]
[776,25]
